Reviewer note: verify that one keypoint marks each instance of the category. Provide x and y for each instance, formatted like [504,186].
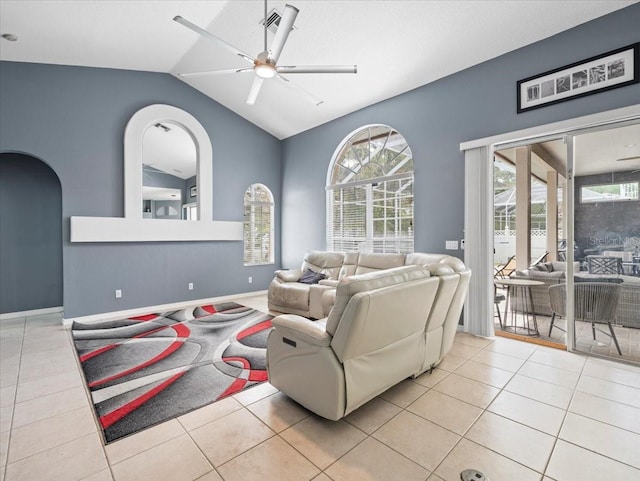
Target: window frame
[370,241]
[257,259]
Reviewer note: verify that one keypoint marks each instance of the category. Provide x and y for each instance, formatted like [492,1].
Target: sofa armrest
[292,275]
[316,295]
[298,327]
[329,282]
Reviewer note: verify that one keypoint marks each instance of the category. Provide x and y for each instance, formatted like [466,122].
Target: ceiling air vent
[273,21]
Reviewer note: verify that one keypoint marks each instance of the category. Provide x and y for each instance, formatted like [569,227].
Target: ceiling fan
[265,63]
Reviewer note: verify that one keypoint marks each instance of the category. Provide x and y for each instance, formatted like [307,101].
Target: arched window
[258,225]
[370,193]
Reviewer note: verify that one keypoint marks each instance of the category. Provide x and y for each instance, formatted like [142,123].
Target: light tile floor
[513,410]
[628,337]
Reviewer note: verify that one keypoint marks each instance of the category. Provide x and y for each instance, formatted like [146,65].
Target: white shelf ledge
[119,229]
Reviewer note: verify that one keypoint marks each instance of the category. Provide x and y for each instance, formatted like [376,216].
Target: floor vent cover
[472,475]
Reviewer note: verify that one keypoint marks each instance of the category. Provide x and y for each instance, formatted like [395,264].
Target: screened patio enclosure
[505,214]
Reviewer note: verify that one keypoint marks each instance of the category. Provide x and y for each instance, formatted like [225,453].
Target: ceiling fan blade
[217,72]
[318,69]
[306,93]
[284,29]
[210,36]
[255,90]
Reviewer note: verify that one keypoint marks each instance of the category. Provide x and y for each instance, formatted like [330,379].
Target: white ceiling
[595,152]
[598,152]
[398,45]
[169,148]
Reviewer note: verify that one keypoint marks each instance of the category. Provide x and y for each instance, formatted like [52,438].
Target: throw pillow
[310,277]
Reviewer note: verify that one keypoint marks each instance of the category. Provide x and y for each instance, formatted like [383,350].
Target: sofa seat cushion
[541,275]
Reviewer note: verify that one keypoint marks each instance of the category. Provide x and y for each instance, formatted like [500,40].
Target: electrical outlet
[190,286]
[451,245]
[118,293]
[250,280]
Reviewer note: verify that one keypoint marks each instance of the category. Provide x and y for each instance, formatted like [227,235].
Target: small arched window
[258,225]
[370,193]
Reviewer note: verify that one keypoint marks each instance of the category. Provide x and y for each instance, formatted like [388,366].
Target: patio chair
[594,302]
[540,260]
[604,265]
[505,270]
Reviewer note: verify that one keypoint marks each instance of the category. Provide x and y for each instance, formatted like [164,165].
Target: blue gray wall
[435,119]
[30,235]
[73,118]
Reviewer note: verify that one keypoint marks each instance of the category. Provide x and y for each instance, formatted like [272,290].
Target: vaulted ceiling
[398,45]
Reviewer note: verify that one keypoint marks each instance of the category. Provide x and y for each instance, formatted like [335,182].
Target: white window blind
[258,225]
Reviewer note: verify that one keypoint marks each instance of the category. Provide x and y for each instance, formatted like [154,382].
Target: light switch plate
[451,245]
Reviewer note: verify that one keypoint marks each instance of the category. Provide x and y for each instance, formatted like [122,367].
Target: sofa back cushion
[349,264]
[562,266]
[323,262]
[351,285]
[379,337]
[378,261]
[442,263]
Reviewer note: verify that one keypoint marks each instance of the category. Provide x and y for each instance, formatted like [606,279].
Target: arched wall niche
[132,227]
[31,277]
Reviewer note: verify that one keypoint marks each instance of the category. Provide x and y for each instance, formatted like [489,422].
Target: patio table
[520,288]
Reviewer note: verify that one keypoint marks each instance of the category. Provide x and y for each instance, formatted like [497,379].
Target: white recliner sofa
[286,294]
[373,338]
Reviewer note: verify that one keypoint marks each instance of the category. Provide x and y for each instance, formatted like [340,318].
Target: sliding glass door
[605,220]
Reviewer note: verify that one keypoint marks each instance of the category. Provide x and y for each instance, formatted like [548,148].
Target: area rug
[145,370]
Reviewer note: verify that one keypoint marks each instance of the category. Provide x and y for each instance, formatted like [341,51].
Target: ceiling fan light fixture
[265,70]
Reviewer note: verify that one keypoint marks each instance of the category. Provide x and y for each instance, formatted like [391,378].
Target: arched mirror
[169,173]
[168,167]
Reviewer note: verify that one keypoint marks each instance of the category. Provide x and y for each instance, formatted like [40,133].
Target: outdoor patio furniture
[594,302]
[519,299]
[497,299]
[505,270]
[604,265]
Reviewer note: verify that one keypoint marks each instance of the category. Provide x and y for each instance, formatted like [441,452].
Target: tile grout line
[15,397]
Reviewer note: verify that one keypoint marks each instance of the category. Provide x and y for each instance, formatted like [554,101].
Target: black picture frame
[600,73]
[193,192]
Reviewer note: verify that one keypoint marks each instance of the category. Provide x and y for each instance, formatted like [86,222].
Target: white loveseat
[286,294]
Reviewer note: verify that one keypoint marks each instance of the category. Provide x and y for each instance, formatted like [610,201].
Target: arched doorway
[30,235]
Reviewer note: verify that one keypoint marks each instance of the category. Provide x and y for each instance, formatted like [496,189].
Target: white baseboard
[33,312]
[138,311]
